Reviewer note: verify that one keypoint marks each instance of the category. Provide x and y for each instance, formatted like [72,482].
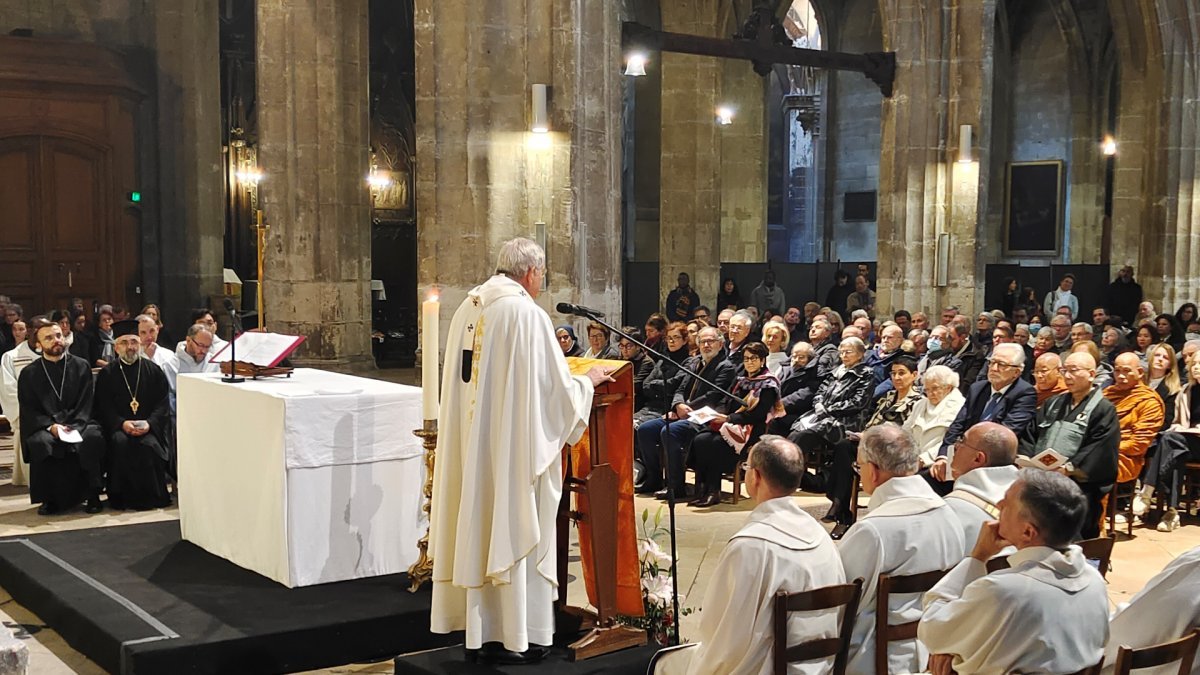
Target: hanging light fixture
[635,64]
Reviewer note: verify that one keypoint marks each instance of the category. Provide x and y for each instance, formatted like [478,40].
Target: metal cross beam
[760,45]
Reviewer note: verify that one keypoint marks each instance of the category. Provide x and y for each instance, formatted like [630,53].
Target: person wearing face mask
[1179,444]
[134,409]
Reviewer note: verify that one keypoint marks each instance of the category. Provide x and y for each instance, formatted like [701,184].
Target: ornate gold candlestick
[422,570]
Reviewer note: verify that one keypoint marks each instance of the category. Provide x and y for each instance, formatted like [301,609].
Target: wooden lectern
[599,479]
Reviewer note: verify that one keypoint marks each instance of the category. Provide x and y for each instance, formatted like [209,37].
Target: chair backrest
[1099,549]
[829,597]
[1182,650]
[1000,562]
[885,632]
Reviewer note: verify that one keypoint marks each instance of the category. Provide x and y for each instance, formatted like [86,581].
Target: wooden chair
[885,632]
[1121,491]
[830,597]
[739,473]
[1182,650]
[1099,549]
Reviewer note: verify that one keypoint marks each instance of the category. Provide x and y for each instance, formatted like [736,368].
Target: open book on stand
[258,353]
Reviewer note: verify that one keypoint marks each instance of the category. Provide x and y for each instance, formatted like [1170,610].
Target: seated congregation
[91,403]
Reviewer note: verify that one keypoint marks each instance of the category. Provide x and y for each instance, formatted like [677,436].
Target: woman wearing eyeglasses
[567,341]
[715,452]
[658,388]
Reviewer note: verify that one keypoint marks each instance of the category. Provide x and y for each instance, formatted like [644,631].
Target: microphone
[229,306]
[577,310]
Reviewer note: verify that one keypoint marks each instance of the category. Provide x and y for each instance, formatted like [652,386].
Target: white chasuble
[498,474]
[1166,608]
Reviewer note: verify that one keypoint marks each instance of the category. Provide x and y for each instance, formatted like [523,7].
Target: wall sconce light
[724,115]
[635,64]
[964,144]
[378,181]
[541,116]
[249,176]
[941,272]
[1109,146]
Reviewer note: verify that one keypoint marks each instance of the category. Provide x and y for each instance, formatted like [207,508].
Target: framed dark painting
[1033,208]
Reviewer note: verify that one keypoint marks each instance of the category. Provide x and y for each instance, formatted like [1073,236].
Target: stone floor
[701,537]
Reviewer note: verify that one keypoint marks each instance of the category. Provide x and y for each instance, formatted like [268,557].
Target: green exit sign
[135,197]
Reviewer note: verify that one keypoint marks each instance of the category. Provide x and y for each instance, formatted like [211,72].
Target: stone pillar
[313,149]
[191,202]
[483,177]
[923,191]
[690,212]
[743,177]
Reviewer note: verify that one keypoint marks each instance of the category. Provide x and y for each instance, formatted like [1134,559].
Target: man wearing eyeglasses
[1004,398]
[1082,426]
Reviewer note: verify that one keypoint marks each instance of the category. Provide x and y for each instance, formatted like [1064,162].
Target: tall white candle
[429,356]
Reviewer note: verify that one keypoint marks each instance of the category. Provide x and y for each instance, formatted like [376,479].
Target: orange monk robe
[1140,411]
[1044,394]
[618,441]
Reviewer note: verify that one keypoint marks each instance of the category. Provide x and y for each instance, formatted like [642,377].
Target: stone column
[191,206]
[690,212]
[743,177]
[313,149]
[923,191]
[483,177]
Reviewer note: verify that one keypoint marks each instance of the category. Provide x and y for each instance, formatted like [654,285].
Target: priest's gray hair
[891,448]
[1017,351]
[998,442]
[196,329]
[518,256]
[1054,503]
[779,461]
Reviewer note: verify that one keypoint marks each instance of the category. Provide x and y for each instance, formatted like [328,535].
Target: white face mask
[1193,336]
[933,344]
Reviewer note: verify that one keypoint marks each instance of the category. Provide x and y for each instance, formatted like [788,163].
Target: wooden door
[54,227]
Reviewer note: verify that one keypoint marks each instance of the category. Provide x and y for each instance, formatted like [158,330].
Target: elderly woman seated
[895,406]
[840,406]
[931,415]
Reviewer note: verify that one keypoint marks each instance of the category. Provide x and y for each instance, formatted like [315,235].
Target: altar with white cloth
[306,480]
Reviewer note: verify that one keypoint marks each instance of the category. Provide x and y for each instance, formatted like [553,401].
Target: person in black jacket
[798,384]
[715,452]
[839,293]
[1124,295]
[631,352]
[674,434]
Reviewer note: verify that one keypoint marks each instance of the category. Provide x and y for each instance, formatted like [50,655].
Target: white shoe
[1139,505]
[1120,519]
[1170,521]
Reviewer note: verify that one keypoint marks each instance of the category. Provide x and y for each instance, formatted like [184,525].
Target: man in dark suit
[675,434]
[1004,398]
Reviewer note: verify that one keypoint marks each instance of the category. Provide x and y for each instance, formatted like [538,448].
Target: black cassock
[137,465]
[60,392]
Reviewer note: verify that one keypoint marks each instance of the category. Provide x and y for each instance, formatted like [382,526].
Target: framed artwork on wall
[1033,208]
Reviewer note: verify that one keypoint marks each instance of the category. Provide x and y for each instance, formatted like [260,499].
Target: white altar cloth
[306,480]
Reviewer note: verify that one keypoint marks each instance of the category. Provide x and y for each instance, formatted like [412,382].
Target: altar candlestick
[429,357]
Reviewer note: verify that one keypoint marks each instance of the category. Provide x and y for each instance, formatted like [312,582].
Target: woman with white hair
[933,414]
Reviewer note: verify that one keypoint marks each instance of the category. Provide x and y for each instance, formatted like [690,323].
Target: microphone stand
[670,486]
[235,327]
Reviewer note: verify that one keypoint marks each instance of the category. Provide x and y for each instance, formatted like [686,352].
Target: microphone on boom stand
[235,327]
[589,313]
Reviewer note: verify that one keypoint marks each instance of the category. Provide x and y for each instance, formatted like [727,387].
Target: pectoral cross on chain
[133,405]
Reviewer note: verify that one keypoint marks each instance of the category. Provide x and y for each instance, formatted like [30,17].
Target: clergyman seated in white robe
[908,529]
[780,548]
[983,471]
[1166,609]
[1047,613]
[509,404]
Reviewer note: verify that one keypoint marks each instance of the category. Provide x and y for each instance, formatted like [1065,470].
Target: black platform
[137,599]
[453,660]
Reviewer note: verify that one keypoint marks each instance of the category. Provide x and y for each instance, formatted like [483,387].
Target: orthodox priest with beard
[509,404]
[55,394]
[134,407]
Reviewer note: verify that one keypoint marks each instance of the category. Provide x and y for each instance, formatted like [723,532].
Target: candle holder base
[422,570]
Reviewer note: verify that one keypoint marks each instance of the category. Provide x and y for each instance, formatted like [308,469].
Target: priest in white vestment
[11,364]
[1166,609]
[907,530]
[1047,613]
[509,405]
[983,470]
[780,548]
